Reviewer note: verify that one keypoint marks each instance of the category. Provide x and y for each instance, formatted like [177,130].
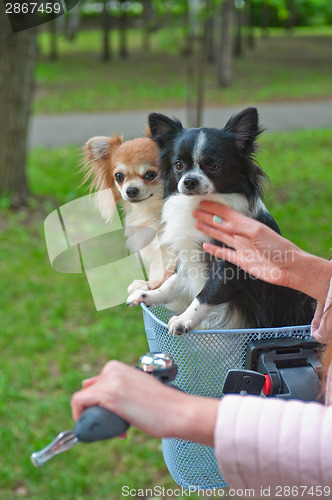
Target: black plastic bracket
[243,382]
[293,366]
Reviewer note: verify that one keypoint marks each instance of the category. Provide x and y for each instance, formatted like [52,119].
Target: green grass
[300,195]
[281,68]
[52,337]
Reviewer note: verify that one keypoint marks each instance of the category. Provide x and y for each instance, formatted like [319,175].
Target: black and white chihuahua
[219,165]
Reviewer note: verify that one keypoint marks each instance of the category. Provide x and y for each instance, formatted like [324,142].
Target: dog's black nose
[132,192]
[190,182]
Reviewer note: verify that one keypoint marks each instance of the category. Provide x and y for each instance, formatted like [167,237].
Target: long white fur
[186,241]
[179,231]
[147,214]
[105,202]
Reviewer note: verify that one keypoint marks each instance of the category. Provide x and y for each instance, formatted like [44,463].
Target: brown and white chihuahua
[127,173]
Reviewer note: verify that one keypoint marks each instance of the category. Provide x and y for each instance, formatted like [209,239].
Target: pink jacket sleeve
[270,443]
[261,443]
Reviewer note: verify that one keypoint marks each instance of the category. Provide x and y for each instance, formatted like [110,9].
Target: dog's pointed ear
[99,149]
[245,128]
[96,164]
[163,128]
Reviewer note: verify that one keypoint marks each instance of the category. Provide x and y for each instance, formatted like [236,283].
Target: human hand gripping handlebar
[98,423]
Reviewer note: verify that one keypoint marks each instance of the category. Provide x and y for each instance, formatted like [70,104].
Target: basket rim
[149,312]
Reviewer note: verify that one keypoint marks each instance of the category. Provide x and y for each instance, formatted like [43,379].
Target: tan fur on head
[105,156]
[136,152]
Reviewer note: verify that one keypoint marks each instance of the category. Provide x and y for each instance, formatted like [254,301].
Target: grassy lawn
[281,68]
[52,337]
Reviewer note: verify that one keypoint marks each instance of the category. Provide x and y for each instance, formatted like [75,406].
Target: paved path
[58,130]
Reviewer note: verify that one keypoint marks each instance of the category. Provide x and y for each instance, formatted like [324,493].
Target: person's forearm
[310,274]
[194,419]
[146,403]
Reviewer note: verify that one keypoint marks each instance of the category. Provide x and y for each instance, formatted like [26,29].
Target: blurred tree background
[126,54]
[113,56]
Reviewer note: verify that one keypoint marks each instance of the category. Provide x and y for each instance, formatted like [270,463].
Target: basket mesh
[203,358]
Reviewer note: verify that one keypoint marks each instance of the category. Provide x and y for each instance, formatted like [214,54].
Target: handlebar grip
[98,423]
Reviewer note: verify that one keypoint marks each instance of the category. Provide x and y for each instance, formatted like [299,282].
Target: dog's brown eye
[178,166]
[150,175]
[214,167]
[119,177]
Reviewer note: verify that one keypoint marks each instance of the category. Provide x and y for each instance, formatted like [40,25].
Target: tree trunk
[200,71]
[106,21]
[196,60]
[238,48]
[147,24]
[225,58]
[123,31]
[52,25]
[210,48]
[265,14]
[250,25]
[191,86]
[17,63]
[290,22]
[73,23]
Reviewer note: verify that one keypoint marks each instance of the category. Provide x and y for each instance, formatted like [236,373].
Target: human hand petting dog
[260,251]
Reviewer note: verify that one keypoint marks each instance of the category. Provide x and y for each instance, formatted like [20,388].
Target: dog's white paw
[137,297]
[178,325]
[137,285]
